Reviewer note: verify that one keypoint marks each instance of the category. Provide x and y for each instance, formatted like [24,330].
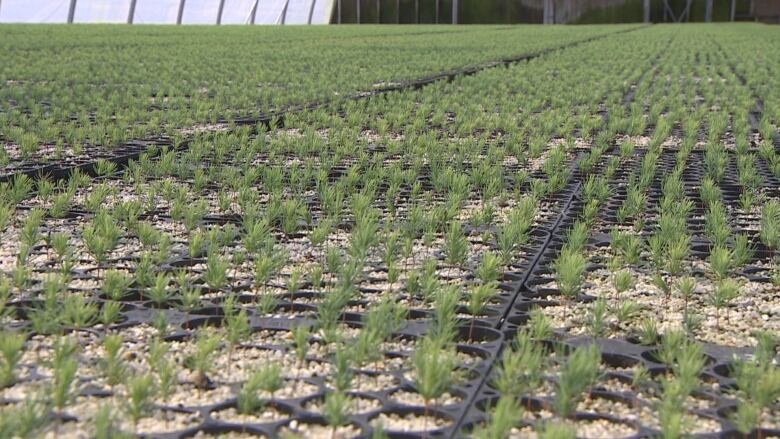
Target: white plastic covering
[166,11]
[237,11]
[200,12]
[101,11]
[156,11]
[34,11]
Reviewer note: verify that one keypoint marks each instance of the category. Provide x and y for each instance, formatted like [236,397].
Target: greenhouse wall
[373,11]
[532,11]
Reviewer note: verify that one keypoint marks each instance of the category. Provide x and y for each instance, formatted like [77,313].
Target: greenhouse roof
[167,11]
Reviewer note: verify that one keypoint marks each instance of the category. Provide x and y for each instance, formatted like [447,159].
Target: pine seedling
[569,270]
[747,199]
[19,188]
[505,416]
[672,343]
[216,271]
[116,284]
[720,262]
[336,410]
[104,167]
[365,235]
[627,311]
[677,252]
[144,271]
[30,234]
[6,215]
[315,277]
[364,347]
[766,347]
[202,360]
[266,268]
[294,282]
[342,360]
[640,378]
[301,342]
[248,399]
[689,362]
[686,286]
[489,269]
[106,425]
[670,413]
[433,370]
[661,284]
[758,382]
[710,191]
[77,312]
[165,368]
[113,364]
[622,281]
[445,321]
[11,349]
[386,318]
[743,250]
[5,294]
[540,326]
[160,323]
[717,224]
[522,366]
[725,291]
[320,234]
[25,419]
[746,417]
[692,323]
[596,320]
[267,303]
[578,373]
[648,332]
[159,293]
[140,391]
[456,246]
[770,225]
[478,301]
[577,237]
[64,371]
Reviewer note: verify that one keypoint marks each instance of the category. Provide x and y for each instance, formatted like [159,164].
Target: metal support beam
[253,12]
[131,12]
[687,11]
[549,12]
[283,15]
[708,11]
[378,12]
[338,12]
[454,11]
[417,11]
[436,20]
[647,11]
[219,11]
[733,9]
[397,11]
[71,11]
[669,12]
[181,11]
[311,10]
[357,9]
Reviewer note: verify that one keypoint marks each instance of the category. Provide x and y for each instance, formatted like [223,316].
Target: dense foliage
[583,244]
